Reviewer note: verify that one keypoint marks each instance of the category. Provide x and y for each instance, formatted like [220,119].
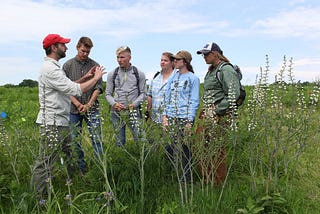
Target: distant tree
[9,85]
[306,83]
[28,83]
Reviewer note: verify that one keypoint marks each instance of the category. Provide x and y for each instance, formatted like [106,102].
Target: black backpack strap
[219,70]
[136,73]
[156,74]
[115,73]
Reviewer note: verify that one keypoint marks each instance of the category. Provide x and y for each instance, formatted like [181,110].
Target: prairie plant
[217,139]
[278,126]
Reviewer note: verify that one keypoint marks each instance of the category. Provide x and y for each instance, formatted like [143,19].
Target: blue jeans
[133,121]
[92,120]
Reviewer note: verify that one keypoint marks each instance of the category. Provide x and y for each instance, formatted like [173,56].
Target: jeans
[92,120]
[133,120]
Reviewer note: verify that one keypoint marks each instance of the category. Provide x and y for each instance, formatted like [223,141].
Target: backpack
[243,92]
[135,72]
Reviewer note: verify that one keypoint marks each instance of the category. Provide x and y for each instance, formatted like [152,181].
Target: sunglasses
[206,54]
[177,59]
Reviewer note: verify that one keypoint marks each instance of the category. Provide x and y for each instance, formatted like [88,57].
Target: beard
[61,54]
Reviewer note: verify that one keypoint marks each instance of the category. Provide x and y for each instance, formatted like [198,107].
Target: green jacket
[218,93]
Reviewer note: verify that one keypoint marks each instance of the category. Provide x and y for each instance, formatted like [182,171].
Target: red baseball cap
[52,39]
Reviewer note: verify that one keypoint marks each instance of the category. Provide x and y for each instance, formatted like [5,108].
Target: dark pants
[178,151]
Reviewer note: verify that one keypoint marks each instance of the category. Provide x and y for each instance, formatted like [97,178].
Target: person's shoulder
[71,60]
[69,63]
[140,72]
[192,74]
[226,66]
[92,61]
[110,73]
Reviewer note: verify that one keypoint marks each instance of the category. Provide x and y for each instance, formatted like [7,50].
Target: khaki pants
[211,154]
[54,143]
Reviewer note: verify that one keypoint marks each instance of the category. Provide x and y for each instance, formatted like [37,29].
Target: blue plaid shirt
[182,97]
[157,91]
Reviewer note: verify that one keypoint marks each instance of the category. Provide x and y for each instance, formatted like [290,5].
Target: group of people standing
[68,95]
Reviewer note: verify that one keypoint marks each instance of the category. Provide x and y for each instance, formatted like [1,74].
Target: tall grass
[272,158]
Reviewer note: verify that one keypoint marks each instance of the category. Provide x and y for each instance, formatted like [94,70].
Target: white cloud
[29,20]
[300,22]
[311,61]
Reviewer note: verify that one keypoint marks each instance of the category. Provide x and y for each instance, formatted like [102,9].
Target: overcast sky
[245,30]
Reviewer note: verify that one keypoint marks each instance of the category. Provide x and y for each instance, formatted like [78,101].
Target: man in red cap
[55,90]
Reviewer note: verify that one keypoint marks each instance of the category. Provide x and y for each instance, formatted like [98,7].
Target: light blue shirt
[157,91]
[182,96]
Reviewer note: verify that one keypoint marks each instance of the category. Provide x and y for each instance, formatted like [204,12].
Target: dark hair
[49,49]
[188,65]
[86,41]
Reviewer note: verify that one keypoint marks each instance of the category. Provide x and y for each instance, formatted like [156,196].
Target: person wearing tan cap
[216,113]
[55,89]
[181,104]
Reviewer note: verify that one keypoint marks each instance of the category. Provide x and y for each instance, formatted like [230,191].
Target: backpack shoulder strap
[219,70]
[156,74]
[136,73]
[115,73]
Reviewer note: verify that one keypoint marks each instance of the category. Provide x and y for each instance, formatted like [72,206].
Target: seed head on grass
[69,182]
[42,202]
[68,198]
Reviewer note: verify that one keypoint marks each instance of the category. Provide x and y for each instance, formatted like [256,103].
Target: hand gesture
[90,73]
[99,72]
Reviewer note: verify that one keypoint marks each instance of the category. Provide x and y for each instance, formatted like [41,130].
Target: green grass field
[272,155]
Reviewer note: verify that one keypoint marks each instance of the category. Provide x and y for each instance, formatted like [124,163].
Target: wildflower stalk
[278,135]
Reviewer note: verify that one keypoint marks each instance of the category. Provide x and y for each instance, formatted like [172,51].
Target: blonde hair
[170,57]
[123,48]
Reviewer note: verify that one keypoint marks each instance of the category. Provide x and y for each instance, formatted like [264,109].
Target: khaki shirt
[55,90]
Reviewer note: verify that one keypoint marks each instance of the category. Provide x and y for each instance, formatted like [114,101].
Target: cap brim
[203,51]
[65,40]
[176,57]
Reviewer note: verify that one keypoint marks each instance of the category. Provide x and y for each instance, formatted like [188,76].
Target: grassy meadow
[272,157]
